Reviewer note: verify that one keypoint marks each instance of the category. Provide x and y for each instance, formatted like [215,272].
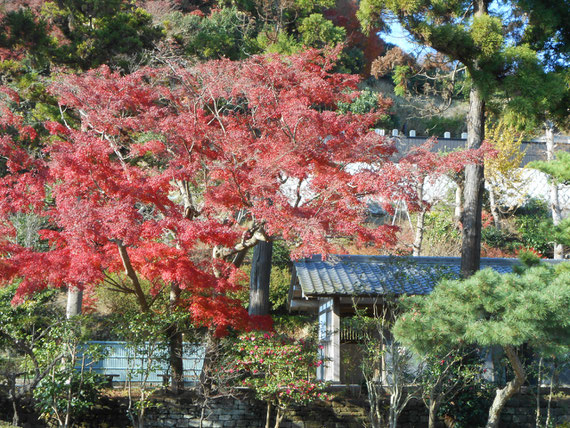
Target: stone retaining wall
[345,411]
[342,412]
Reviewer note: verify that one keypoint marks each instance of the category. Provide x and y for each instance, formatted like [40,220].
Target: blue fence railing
[121,361]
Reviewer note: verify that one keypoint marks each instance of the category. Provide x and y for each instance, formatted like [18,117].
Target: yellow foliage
[503,173]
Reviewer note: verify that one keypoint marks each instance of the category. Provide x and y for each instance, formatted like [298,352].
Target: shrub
[281,370]
[470,407]
[500,238]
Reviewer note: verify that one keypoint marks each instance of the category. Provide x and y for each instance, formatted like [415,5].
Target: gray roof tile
[377,275]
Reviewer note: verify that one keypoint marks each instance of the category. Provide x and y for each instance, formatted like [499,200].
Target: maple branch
[295,128]
[129,270]
[216,113]
[190,212]
[244,197]
[61,112]
[287,129]
[256,234]
[114,283]
[155,297]
[299,196]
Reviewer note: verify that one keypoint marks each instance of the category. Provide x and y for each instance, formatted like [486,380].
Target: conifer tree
[490,309]
[468,33]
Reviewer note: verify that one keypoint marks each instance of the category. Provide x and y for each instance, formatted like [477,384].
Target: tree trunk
[433,408]
[554,199]
[538,383]
[473,193]
[16,415]
[551,393]
[74,302]
[417,246]
[459,200]
[494,207]
[210,356]
[278,417]
[175,344]
[268,414]
[259,278]
[513,386]
[419,232]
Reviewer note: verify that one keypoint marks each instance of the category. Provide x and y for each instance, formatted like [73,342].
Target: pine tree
[470,34]
[490,309]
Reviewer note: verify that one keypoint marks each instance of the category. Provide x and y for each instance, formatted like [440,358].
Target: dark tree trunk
[474,185]
[210,356]
[259,278]
[175,344]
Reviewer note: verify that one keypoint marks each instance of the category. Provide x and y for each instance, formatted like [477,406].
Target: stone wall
[343,412]
[347,410]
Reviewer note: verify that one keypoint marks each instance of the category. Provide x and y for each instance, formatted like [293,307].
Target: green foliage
[561,232]
[558,169]
[101,32]
[21,30]
[146,340]
[487,34]
[283,43]
[111,302]
[457,379]
[437,125]
[535,233]
[225,33]
[534,230]
[279,282]
[280,370]
[490,309]
[440,225]
[293,324]
[502,68]
[52,395]
[351,61]
[279,288]
[367,101]
[504,239]
[281,256]
[27,230]
[69,389]
[25,322]
[401,73]
[534,226]
[537,208]
[308,6]
[317,31]
[469,408]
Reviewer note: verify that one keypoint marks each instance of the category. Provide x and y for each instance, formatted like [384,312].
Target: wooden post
[329,337]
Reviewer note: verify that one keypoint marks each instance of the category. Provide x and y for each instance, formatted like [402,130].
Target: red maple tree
[424,166]
[169,175]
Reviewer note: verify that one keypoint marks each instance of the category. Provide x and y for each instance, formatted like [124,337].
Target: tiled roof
[378,275]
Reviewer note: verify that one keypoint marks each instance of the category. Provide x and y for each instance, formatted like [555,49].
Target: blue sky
[398,36]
